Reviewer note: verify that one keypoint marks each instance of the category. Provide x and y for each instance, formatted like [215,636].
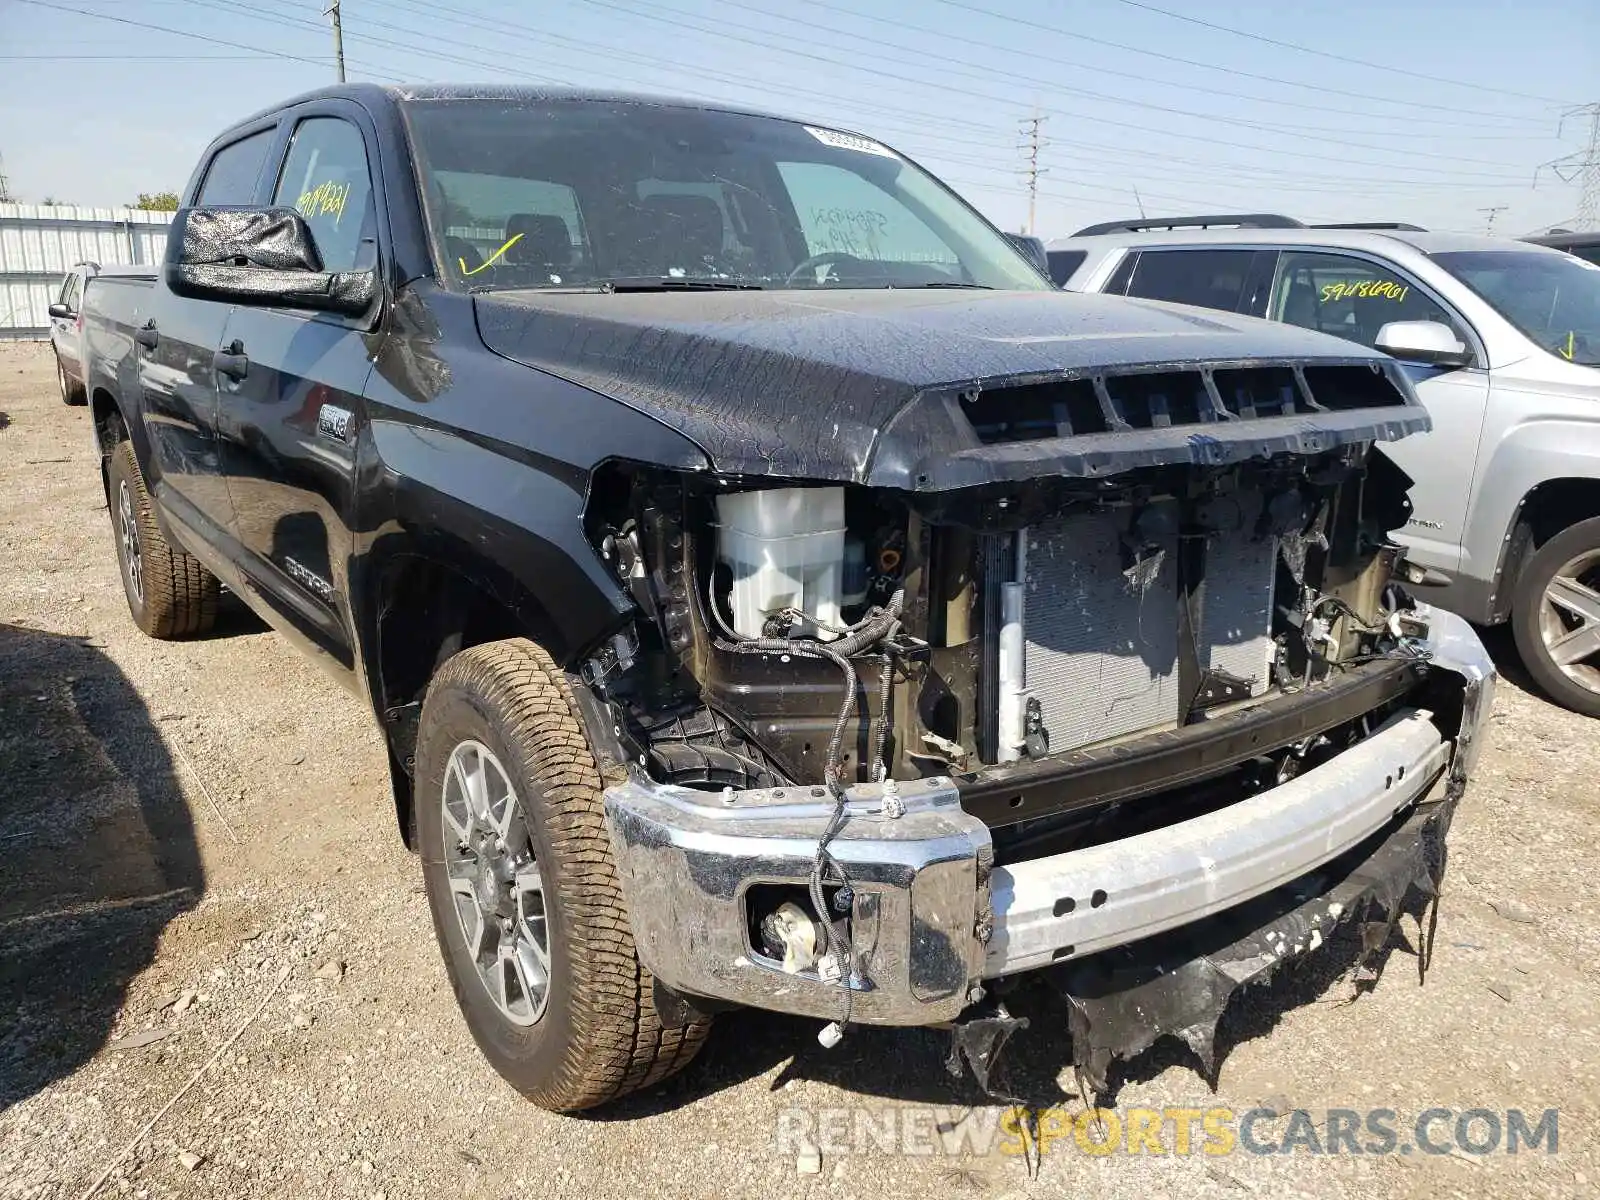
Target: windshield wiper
[667,283]
[944,283]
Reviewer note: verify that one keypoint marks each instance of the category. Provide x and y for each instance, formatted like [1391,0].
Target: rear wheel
[1556,617]
[170,595]
[71,393]
[526,901]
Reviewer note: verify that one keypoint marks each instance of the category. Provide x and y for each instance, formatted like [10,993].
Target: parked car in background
[66,331]
[1502,340]
[1584,245]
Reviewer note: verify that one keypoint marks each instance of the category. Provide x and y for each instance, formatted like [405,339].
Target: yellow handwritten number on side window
[490,260]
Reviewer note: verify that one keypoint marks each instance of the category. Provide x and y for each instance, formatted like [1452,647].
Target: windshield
[1553,298]
[555,193]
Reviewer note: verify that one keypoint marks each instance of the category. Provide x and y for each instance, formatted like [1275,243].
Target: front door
[290,404]
[1353,297]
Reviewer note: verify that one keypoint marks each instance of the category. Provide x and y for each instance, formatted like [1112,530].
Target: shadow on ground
[1502,647]
[911,1064]
[97,852]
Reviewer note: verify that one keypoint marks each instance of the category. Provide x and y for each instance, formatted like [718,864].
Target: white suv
[1502,340]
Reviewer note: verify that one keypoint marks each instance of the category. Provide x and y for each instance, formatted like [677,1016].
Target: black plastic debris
[1122,1000]
[978,1043]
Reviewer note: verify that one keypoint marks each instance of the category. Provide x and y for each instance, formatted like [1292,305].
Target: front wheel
[525,897]
[1556,617]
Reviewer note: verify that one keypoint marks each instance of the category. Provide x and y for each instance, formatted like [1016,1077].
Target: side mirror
[1033,250]
[60,311]
[260,256]
[1427,342]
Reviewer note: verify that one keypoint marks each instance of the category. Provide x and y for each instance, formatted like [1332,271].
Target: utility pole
[1492,211]
[1581,167]
[338,37]
[1032,146]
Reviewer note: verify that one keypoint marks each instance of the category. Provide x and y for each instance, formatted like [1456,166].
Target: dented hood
[859,386]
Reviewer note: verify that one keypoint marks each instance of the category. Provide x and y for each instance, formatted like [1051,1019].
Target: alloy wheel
[128,528]
[1569,620]
[495,885]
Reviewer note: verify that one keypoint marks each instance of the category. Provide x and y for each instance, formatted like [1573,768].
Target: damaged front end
[1125,686]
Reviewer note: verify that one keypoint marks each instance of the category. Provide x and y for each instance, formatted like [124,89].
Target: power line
[1205,66]
[1057,63]
[199,37]
[880,74]
[1476,85]
[255,54]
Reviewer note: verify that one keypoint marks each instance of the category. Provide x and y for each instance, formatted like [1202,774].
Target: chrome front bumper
[930,916]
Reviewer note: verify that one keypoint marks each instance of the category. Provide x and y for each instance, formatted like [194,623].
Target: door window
[1352,298]
[1063,263]
[74,291]
[1208,278]
[325,177]
[235,171]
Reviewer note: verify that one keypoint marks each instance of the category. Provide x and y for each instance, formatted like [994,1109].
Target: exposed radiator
[1101,628]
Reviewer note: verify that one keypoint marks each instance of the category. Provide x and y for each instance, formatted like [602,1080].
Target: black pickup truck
[772,591]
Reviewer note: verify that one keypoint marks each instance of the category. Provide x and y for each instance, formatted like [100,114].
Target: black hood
[861,386]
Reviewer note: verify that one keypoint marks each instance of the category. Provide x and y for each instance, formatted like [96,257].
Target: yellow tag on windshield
[490,260]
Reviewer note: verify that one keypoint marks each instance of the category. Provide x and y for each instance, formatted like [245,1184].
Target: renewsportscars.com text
[1217,1131]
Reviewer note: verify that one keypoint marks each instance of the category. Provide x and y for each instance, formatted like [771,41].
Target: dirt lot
[182,825]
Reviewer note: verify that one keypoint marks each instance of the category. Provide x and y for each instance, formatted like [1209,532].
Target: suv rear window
[1207,278]
[1063,263]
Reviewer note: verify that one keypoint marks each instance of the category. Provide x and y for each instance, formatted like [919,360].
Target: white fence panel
[40,243]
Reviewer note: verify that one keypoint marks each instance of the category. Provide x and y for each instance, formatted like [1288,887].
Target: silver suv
[1502,340]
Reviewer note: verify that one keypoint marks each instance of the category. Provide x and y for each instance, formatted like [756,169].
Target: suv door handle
[146,335]
[231,361]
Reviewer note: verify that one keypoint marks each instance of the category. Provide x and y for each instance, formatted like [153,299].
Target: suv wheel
[524,893]
[1556,617]
[71,393]
[170,595]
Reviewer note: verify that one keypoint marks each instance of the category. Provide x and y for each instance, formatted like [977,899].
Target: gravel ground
[192,834]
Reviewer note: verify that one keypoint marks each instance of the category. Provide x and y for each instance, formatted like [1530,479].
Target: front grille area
[1101,620]
[1161,399]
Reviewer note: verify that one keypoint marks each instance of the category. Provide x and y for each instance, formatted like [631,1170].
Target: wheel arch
[425,606]
[1547,509]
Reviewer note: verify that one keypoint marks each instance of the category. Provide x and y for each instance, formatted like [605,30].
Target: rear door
[1234,280]
[290,399]
[1352,296]
[178,343]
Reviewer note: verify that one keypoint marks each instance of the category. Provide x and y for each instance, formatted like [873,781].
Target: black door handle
[231,361]
[146,335]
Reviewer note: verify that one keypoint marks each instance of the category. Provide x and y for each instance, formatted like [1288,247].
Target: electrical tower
[1490,213]
[1581,167]
[5,185]
[338,37]
[1031,146]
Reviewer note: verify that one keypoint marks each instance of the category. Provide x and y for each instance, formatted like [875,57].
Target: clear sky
[1415,110]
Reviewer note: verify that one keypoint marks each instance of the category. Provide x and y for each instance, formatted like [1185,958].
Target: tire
[71,393]
[170,595]
[594,1034]
[1538,623]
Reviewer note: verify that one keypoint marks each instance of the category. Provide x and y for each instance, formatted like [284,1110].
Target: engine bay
[840,634]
